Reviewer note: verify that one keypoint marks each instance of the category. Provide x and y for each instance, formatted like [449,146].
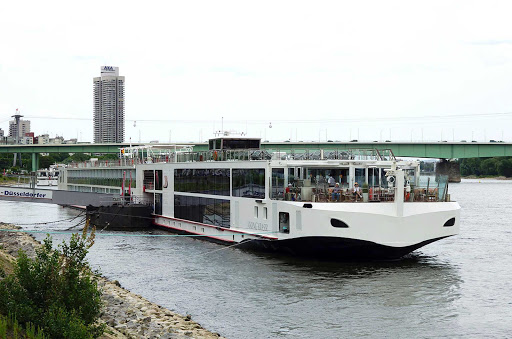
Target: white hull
[374,231]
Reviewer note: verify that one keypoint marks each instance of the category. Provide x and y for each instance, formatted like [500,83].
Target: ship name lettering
[254,225]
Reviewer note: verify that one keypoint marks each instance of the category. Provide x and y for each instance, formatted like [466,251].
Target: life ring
[391,179]
[215,155]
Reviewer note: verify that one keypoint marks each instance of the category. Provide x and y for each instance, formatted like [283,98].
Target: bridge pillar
[35,162]
[451,168]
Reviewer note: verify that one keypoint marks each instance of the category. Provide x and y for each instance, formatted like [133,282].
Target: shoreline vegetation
[486,177]
[125,314]
[486,167]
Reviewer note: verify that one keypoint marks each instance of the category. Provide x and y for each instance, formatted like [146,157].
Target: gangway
[59,197]
[103,210]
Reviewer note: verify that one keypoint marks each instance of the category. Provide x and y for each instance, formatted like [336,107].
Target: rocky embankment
[127,315]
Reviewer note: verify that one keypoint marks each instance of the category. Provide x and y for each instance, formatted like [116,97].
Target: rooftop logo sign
[110,70]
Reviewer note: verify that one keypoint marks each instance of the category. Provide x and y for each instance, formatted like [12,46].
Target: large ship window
[213,181]
[249,183]
[360,176]
[277,183]
[208,211]
[233,143]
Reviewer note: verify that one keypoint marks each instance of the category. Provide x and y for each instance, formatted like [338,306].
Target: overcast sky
[315,70]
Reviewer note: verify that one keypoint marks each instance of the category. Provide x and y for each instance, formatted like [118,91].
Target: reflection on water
[456,287]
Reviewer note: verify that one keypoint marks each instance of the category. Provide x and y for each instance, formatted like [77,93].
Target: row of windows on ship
[250,183]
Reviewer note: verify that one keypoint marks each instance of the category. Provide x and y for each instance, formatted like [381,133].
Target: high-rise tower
[109,106]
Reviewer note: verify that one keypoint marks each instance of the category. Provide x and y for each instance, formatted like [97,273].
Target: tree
[470,166]
[46,161]
[57,290]
[77,157]
[504,167]
[488,166]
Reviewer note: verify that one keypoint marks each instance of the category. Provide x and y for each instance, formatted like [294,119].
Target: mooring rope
[133,235]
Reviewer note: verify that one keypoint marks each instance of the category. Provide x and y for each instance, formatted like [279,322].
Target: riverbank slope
[126,314]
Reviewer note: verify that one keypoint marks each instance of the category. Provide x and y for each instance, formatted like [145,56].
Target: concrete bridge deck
[437,150]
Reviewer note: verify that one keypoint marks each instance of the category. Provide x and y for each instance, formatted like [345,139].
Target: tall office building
[109,106]
[22,128]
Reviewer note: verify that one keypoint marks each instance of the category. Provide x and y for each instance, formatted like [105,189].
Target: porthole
[450,222]
[338,223]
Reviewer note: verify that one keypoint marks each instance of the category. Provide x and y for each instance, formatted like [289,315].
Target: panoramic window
[214,212]
[249,183]
[206,181]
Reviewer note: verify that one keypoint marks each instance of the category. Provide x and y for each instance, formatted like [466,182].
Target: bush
[56,291]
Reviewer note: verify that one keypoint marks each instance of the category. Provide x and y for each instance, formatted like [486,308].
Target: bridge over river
[436,150]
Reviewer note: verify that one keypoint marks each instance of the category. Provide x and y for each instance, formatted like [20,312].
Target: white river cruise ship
[335,204]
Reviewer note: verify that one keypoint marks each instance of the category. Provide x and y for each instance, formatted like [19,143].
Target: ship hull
[336,249]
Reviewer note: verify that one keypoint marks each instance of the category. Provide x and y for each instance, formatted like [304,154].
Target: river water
[457,287]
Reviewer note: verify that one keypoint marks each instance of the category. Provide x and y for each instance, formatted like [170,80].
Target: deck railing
[242,155]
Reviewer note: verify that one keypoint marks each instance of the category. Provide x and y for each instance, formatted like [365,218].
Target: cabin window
[256,211]
[209,211]
[265,213]
[149,180]
[158,204]
[158,180]
[284,222]
[249,183]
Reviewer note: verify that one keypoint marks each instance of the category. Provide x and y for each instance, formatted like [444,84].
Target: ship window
[207,181]
[284,222]
[255,211]
[277,183]
[158,204]
[450,222]
[265,213]
[249,183]
[149,180]
[158,180]
[215,212]
[338,223]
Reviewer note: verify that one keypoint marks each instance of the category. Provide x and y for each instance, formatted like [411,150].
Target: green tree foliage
[505,167]
[108,156]
[77,157]
[56,291]
[46,161]
[486,166]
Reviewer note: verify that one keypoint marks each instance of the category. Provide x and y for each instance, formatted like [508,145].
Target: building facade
[23,128]
[109,106]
